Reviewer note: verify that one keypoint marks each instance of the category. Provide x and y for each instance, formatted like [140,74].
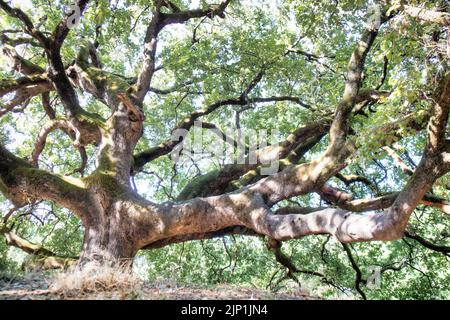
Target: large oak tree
[350,78]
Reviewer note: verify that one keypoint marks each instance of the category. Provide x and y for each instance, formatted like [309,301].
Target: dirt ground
[34,287]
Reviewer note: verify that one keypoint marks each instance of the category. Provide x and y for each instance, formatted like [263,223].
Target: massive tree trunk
[108,240]
[118,221]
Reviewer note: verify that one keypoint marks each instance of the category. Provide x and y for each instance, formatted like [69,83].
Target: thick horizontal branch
[12,239]
[436,202]
[22,183]
[215,182]
[233,230]
[250,206]
[183,16]
[207,215]
[23,95]
[442,18]
[8,85]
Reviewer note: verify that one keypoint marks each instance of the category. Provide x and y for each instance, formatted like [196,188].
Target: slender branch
[222,135]
[47,258]
[385,72]
[280,98]
[158,22]
[167,146]
[175,88]
[428,244]
[42,137]
[348,179]
[29,26]
[345,201]
[46,104]
[18,40]
[358,277]
[311,57]
[275,247]
[20,64]
[407,170]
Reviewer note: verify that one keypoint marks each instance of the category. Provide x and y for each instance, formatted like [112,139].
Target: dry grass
[108,283]
[97,282]
[76,282]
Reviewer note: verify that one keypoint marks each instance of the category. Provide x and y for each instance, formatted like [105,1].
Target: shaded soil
[37,288]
